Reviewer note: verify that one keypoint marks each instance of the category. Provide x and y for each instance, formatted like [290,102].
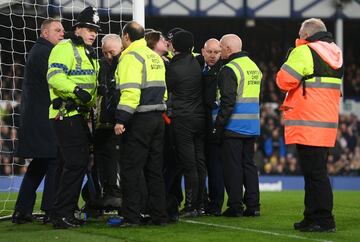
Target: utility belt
[68,105]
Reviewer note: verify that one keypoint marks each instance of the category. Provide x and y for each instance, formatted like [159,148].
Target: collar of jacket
[321,36]
[236,55]
[133,46]
[43,41]
[181,56]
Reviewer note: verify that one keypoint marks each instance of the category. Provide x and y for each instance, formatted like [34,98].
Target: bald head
[131,32]
[211,51]
[230,44]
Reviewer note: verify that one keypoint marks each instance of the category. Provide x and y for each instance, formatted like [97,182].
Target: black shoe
[66,222]
[314,227]
[201,212]
[21,218]
[230,212]
[145,218]
[251,213]
[46,219]
[302,224]
[91,212]
[189,213]
[173,218]
[213,212]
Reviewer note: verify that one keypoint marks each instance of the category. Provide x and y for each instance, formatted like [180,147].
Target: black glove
[83,95]
[70,105]
[56,103]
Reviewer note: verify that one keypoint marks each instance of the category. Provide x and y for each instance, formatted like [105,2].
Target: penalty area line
[253,230]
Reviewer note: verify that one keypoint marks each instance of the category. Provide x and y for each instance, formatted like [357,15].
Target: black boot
[21,218]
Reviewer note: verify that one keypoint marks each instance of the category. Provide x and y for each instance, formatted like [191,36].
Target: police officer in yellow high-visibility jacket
[237,125]
[72,80]
[140,78]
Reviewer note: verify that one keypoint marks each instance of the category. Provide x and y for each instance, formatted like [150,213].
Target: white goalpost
[20,22]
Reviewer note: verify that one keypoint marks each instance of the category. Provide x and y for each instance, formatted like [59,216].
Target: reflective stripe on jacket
[311,118]
[69,67]
[140,77]
[245,118]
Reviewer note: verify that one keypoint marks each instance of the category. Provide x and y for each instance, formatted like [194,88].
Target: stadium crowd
[272,156]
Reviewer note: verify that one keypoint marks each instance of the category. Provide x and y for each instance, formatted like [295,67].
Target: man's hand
[119,129]
[83,95]
[217,135]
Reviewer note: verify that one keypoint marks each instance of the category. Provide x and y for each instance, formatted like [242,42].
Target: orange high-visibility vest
[312,77]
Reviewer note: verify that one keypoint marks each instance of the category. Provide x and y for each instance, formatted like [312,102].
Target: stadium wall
[267,183]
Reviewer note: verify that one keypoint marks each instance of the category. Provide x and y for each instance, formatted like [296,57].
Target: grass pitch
[279,210]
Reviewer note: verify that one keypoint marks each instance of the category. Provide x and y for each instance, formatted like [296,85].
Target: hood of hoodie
[323,44]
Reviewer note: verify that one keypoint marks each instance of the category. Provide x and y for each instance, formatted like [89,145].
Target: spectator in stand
[37,138]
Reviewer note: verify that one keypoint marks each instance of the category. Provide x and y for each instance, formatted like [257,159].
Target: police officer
[72,76]
[236,126]
[140,78]
[37,138]
[311,78]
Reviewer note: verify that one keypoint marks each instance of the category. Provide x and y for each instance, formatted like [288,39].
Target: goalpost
[20,22]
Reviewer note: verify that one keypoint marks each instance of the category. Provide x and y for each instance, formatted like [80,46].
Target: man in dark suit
[36,137]
[210,63]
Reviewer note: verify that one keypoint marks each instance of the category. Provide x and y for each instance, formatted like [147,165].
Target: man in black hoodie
[183,78]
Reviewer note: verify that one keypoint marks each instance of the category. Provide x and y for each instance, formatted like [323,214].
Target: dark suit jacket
[209,82]
[36,136]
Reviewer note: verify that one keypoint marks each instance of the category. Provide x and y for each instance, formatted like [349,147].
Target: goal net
[20,22]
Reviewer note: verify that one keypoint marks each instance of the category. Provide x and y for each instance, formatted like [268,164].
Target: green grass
[279,210]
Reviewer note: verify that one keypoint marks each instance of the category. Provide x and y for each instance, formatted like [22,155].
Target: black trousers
[240,170]
[37,169]
[172,173]
[216,187]
[189,142]
[73,136]
[318,193]
[143,159]
[108,150]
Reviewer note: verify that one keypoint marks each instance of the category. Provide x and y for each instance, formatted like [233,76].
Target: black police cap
[88,18]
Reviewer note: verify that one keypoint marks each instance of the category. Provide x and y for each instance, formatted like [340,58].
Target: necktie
[206,69]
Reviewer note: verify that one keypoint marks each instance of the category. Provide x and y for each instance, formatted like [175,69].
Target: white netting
[20,23]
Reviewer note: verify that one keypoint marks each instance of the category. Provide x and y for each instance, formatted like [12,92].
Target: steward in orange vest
[311,78]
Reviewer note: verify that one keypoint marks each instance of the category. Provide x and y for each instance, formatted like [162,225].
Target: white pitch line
[253,230]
